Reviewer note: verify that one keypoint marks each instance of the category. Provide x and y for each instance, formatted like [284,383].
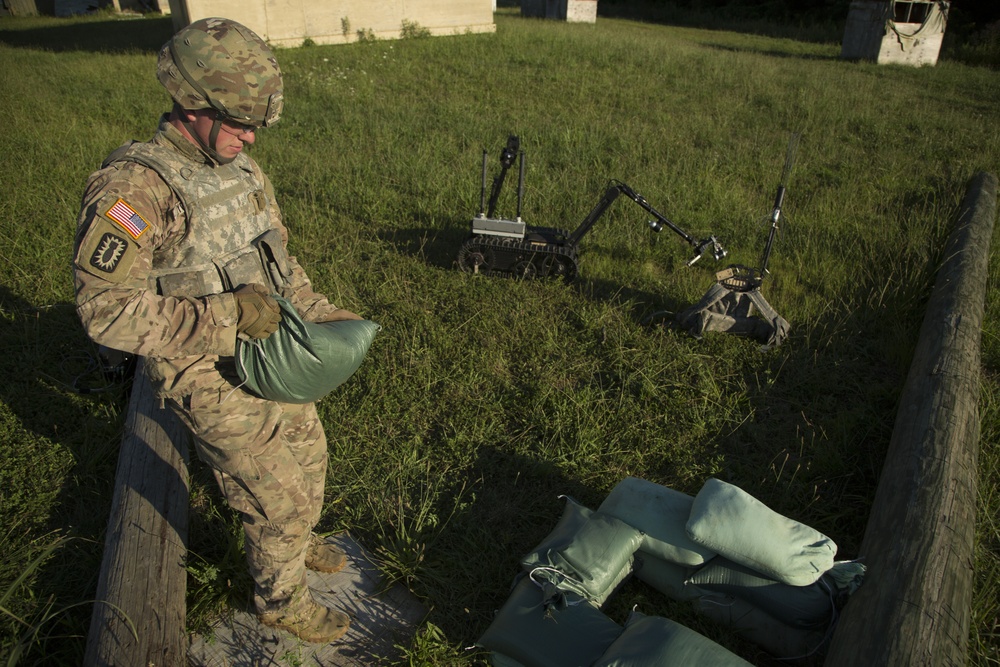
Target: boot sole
[312,639]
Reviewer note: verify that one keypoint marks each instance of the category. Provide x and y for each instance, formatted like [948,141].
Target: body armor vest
[230,238]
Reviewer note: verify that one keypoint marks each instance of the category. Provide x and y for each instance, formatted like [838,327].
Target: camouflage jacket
[164,233]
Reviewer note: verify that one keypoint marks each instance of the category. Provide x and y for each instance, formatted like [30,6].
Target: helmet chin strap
[213,138]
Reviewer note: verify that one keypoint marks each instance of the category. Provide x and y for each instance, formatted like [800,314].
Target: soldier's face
[231,137]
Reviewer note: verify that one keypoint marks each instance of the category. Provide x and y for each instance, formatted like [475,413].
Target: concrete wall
[290,22]
[65,8]
[581,11]
[871,34]
[571,11]
[29,7]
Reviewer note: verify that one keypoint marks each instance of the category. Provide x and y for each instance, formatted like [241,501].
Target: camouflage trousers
[270,461]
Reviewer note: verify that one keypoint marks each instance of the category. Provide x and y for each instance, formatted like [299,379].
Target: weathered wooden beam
[139,613]
[915,605]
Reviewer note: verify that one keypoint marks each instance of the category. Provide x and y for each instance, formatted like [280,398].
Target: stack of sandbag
[553,618]
[771,579]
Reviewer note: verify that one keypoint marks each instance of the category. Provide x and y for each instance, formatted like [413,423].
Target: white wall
[871,34]
[290,22]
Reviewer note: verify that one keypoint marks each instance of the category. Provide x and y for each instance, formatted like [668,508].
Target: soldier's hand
[259,313]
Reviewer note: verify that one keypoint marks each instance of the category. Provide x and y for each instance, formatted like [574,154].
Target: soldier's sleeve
[310,304]
[127,212]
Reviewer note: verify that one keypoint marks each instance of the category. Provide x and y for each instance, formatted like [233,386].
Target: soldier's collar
[184,146]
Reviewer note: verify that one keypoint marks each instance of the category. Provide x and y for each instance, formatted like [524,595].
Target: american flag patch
[126,216]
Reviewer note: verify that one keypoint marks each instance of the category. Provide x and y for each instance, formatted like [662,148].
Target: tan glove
[259,312]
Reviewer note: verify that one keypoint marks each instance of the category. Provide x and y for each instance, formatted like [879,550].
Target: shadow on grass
[516,503]
[106,36]
[439,248]
[436,247]
[770,52]
[807,26]
[644,307]
[68,439]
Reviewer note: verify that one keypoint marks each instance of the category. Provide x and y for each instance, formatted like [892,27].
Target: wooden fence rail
[914,608]
[139,616]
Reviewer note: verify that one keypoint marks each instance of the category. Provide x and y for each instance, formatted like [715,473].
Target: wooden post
[915,605]
[139,614]
[22,7]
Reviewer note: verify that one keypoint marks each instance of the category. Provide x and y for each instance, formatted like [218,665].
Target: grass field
[483,400]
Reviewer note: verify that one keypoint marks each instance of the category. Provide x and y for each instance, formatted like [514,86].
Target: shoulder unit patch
[107,252]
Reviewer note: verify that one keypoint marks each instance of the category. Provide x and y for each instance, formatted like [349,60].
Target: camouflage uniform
[164,233]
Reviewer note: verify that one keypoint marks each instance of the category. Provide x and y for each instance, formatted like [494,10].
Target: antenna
[520,184]
[482,192]
[779,199]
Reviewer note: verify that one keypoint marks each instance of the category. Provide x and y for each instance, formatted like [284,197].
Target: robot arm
[710,244]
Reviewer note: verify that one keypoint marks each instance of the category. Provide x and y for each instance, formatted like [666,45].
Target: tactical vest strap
[147,158]
[118,154]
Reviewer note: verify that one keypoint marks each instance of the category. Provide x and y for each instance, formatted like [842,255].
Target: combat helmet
[217,63]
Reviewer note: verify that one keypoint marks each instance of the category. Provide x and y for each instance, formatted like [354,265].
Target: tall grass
[483,400]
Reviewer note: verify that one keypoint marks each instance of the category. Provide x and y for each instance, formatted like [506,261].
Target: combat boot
[324,557]
[315,623]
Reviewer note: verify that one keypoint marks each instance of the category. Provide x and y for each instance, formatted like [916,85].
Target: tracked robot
[499,246]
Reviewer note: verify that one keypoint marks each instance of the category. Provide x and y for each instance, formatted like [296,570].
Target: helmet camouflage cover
[217,63]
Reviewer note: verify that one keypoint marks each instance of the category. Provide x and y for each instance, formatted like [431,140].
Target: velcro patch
[107,252]
[259,200]
[127,218]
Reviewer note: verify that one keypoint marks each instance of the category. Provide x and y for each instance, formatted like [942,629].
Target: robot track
[529,258]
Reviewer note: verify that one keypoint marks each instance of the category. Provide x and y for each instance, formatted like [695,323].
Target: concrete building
[292,22]
[571,11]
[895,31]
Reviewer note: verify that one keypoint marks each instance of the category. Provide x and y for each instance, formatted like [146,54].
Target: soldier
[179,246]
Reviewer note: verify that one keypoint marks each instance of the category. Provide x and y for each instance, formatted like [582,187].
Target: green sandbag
[667,577]
[501,660]
[799,606]
[733,523]
[588,553]
[755,625]
[303,361]
[653,641]
[534,634]
[661,514]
